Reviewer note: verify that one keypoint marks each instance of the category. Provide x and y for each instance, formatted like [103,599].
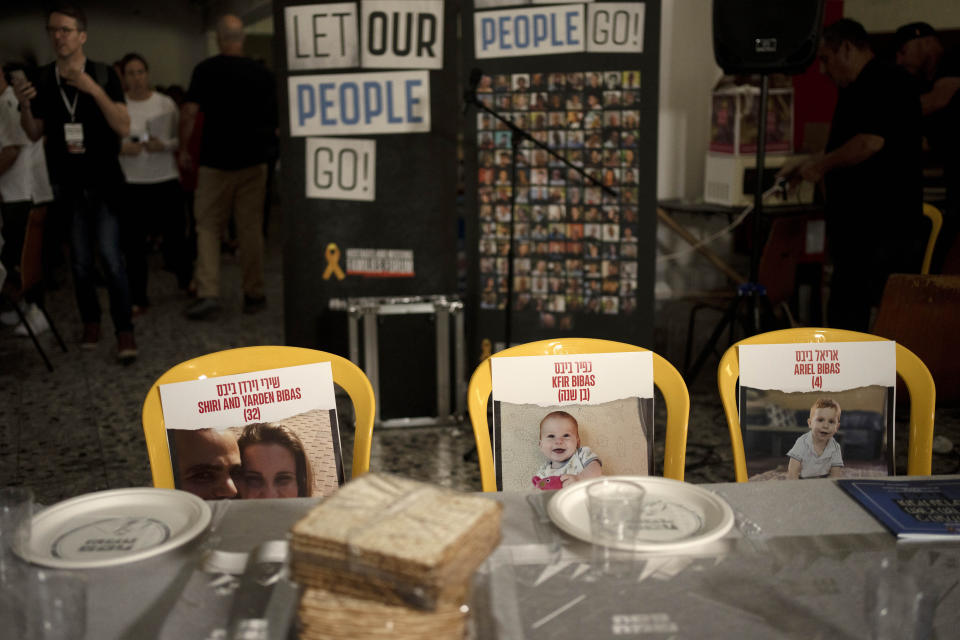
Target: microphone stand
[517,135]
[752,293]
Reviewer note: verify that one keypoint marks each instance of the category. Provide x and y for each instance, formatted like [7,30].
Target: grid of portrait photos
[575,245]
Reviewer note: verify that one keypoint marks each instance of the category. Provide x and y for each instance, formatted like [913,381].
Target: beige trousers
[219,195]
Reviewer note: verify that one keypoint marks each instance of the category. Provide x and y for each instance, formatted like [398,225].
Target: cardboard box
[730,180]
[733,120]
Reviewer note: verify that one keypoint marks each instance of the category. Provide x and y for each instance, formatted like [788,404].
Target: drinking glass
[615,508]
[16,514]
[59,605]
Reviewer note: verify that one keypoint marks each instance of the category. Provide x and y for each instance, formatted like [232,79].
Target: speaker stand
[751,296]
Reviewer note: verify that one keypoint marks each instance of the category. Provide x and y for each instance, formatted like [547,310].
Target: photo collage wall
[575,245]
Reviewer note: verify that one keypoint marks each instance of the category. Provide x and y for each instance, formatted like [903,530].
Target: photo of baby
[550,447]
[816,454]
[566,462]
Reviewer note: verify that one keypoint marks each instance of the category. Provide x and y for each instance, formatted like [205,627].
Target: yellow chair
[665,376]
[244,360]
[936,221]
[910,368]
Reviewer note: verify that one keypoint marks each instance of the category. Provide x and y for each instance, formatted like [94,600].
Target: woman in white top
[154,198]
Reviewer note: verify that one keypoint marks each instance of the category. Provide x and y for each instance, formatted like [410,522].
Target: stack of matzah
[388,556]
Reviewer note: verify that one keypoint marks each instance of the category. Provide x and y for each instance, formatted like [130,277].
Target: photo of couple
[295,457]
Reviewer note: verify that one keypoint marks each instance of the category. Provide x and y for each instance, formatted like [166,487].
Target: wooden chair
[244,360]
[665,376]
[909,367]
[31,273]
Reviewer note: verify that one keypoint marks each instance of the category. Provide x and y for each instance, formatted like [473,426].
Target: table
[805,561]
[787,570]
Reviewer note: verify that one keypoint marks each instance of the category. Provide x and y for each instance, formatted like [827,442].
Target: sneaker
[126,347]
[91,336]
[36,320]
[203,308]
[11,317]
[252,304]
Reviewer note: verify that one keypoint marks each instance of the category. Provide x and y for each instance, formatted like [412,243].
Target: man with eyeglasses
[78,105]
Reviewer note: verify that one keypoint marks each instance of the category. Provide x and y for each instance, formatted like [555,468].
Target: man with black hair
[920,51]
[872,174]
[78,105]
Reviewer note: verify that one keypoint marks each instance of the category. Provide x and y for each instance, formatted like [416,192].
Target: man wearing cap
[920,52]
[872,174]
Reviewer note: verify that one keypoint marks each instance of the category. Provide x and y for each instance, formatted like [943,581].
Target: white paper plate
[109,528]
[683,515]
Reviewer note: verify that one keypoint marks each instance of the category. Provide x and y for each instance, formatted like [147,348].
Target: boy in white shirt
[816,454]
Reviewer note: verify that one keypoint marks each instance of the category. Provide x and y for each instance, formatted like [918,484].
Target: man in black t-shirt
[872,174]
[920,52]
[78,105]
[237,97]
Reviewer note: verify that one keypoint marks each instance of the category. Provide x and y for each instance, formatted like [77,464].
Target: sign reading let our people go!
[582,78]
[601,27]
[369,158]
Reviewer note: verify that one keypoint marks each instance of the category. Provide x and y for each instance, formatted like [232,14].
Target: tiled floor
[78,429]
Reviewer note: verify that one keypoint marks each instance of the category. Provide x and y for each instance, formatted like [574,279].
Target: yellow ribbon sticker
[333,263]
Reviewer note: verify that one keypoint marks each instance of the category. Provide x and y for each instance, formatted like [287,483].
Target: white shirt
[813,465]
[27,178]
[157,118]
[574,465]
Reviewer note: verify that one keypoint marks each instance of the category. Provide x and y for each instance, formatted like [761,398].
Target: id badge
[73,134]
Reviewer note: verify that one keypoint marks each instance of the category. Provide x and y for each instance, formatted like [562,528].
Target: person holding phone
[154,204]
[78,106]
[23,186]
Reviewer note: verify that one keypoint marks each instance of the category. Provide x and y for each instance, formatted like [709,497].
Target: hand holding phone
[22,87]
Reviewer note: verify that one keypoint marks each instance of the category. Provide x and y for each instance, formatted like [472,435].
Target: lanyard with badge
[72,131]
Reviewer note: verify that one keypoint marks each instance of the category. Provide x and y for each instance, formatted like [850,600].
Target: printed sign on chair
[813,410]
[561,419]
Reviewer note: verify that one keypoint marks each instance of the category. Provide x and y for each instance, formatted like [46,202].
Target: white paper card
[605,400]
[593,378]
[823,366]
[402,35]
[533,31]
[615,27]
[341,168]
[259,396]
[359,103]
[322,36]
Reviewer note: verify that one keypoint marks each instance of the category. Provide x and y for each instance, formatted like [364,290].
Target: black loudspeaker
[766,36]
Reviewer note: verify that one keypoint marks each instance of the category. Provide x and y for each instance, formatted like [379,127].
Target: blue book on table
[912,509]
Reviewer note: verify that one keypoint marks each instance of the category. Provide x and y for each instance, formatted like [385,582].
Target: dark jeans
[94,229]
[154,209]
[861,266]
